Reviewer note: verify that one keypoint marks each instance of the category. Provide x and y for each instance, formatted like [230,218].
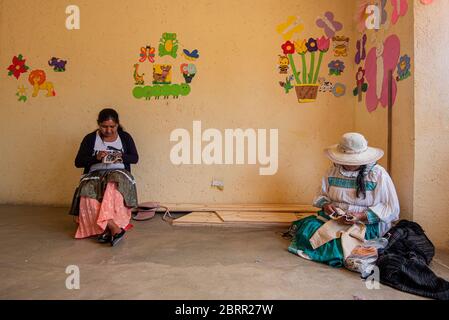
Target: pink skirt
[94,215]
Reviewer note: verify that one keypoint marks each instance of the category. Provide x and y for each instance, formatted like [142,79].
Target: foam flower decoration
[288,47]
[309,73]
[360,76]
[301,47]
[312,45]
[323,44]
[404,67]
[336,67]
[17,67]
[339,90]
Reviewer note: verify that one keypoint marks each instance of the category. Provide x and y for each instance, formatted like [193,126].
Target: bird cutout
[400,8]
[292,26]
[361,49]
[147,52]
[138,78]
[379,62]
[284,64]
[340,45]
[192,56]
[325,86]
[287,85]
[329,25]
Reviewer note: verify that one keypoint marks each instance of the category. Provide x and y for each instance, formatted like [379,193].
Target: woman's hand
[101,155]
[329,209]
[356,217]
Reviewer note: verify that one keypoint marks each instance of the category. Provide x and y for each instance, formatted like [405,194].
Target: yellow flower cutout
[21,90]
[301,47]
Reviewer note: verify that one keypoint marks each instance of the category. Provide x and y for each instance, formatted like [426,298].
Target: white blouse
[381,203]
[101,145]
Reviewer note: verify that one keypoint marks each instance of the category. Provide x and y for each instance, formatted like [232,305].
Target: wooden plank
[243,219]
[304,214]
[234,225]
[188,207]
[199,217]
[243,216]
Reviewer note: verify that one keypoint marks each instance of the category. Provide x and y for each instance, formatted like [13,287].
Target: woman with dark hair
[107,191]
[356,191]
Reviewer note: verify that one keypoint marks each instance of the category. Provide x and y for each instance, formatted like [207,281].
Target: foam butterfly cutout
[400,8]
[379,62]
[329,25]
[192,56]
[147,52]
[361,50]
[290,27]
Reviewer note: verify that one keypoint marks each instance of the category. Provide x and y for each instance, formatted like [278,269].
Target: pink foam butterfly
[426,1]
[400,8]
[329,25]
[378,64]
[361,51]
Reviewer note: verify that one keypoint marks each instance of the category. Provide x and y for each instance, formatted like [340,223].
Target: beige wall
[374,125]
[236,86]
[431,176]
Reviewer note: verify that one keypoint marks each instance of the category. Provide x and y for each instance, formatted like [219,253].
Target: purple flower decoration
[312,45]
[336,67]
[404,66]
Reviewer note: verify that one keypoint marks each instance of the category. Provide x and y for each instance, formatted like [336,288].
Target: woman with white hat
[356,186]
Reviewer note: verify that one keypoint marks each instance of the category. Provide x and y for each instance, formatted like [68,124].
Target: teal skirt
[330,253]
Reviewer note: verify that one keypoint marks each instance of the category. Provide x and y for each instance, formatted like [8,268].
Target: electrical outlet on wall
[217,183]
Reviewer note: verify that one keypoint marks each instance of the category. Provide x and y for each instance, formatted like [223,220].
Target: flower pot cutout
[306,92]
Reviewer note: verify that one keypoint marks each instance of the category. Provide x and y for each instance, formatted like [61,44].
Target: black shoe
[117,237]
[105,237]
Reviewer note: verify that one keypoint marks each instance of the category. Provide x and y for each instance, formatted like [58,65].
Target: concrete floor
[158,261]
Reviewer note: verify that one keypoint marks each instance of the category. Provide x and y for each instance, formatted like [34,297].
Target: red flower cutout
[288,47]
[18,66]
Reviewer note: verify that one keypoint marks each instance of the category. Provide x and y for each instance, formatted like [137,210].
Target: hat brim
[369,156]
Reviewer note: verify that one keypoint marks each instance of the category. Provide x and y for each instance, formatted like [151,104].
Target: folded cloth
[351,235]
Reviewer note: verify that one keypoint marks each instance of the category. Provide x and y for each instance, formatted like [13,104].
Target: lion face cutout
[37,77]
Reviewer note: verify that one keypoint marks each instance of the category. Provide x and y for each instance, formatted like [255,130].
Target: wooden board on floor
[244,216]
[189,207]
[198,218]
[239,219]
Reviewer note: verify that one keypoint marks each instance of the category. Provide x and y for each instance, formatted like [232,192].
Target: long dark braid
[361,188]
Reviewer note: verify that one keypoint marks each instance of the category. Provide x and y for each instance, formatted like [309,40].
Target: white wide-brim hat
[353,150]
